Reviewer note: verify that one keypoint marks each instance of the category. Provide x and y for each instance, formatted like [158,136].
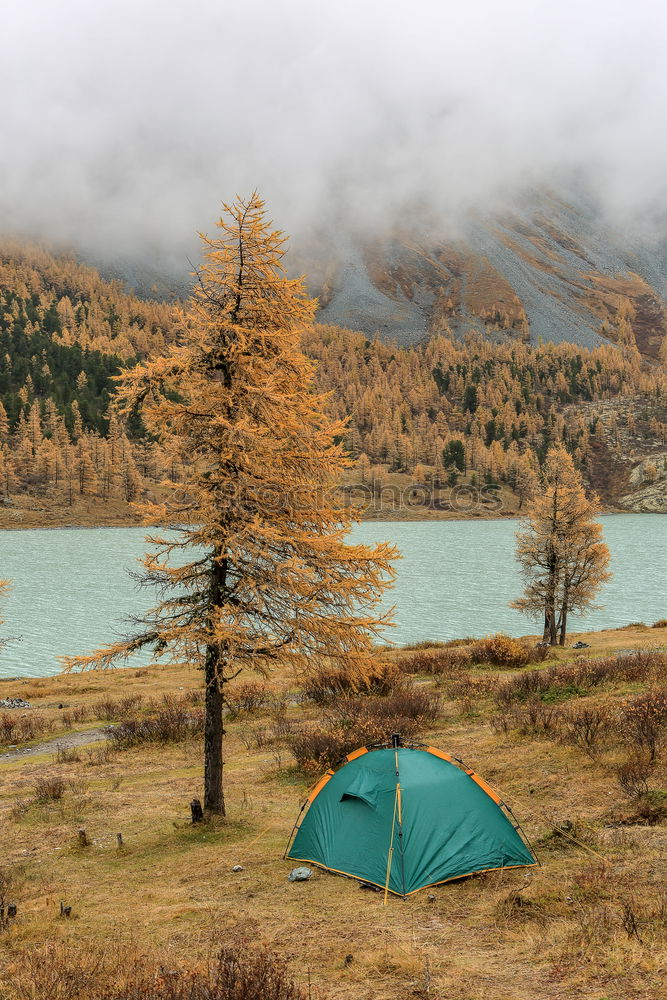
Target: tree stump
[197,811]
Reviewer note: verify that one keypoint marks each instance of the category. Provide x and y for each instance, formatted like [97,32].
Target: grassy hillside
[590,922]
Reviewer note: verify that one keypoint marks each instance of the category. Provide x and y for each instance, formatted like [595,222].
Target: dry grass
[239,971]
[589,923]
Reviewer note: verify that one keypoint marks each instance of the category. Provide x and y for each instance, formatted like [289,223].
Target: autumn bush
[435,662]
[579,676]
[633,774]
[73,715]
[247,698]
[469,690]
[353,722]
[168,720]
[22,727]
[58,971]
[49,788]
[236,974]
[645,721]
[532,717]
[111,709]
[502,651]
[586,725]
[433,644]
[329,683]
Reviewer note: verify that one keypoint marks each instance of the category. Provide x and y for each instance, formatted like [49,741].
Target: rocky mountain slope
[551,270]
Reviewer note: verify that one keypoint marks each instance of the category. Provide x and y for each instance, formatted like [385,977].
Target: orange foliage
[264,571]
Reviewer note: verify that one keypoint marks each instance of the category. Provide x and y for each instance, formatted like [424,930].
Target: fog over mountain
[124,124]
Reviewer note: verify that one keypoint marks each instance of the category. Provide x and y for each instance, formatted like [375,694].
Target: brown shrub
[57,971]
[19,809]
[503,651]
[409,704]
[315,750]
[585,725]
[22,727]
[49,789]
[196,696]
[170,720]
[354,722]
[469,690]
[430,644]
[523,686]
[247,698]
[578,676]
[645,720]
[76,713]
[111,709]
[98,755]
[328,684]
[633,774]
[533,717]
[235,975]
[438,663]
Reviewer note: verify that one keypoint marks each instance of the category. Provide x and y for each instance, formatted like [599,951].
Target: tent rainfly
[405,818]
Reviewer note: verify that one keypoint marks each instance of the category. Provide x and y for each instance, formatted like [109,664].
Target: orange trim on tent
[439,753]
[487,788]
[402,895]
[471,774]
[320,785]
[356,753]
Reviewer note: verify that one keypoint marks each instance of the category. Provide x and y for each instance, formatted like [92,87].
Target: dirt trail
[68,740]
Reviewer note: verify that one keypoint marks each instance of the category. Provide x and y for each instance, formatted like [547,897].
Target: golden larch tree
[560,548]
[257,569]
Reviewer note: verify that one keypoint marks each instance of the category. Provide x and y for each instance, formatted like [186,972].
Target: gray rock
[14,703]
[299,875]
[237,868]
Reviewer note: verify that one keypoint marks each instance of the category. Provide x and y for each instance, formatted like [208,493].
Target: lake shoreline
[401,501]
[72,590]
[435,517]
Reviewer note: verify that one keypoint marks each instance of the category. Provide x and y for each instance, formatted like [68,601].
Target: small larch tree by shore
[563,558]
[255,568]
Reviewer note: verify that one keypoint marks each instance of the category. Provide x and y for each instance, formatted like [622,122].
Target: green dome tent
[404,818]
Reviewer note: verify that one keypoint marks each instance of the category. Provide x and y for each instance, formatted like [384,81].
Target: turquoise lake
[71,591]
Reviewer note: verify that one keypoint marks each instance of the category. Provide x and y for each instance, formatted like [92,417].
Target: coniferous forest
[447,409]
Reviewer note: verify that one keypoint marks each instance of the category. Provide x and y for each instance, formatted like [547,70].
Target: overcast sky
[124,124]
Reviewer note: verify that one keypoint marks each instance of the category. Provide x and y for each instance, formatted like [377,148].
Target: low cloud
[123,125]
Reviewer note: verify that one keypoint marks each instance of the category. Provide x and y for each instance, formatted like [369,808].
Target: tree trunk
[563,618]
[550,613]
[214,799]
[553,634]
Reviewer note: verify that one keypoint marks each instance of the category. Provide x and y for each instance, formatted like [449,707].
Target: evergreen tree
[269,575]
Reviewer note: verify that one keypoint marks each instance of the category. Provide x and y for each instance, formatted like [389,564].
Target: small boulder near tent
[404,817]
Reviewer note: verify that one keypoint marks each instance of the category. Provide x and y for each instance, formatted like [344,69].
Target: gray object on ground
[14,703]
[299,875]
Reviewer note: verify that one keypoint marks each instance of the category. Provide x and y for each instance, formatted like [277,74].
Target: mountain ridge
[548,271]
